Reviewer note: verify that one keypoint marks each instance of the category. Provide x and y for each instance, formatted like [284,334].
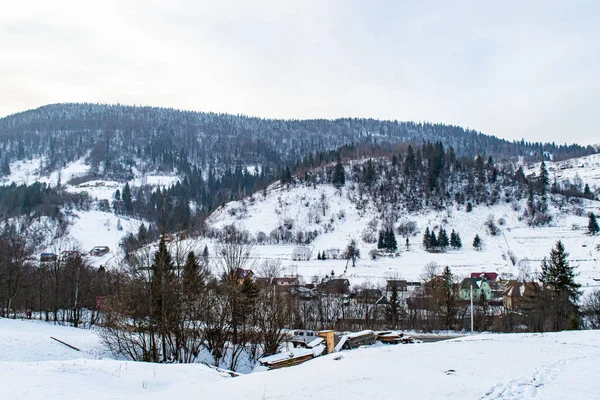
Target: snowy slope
[342,222]
[86,228]
[33,366]
[587,169]
[488,366]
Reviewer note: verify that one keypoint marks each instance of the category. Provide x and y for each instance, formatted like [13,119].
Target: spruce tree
[426,239]
[469,206]
[561,290]
[433,242]
[593,227]
[381,241]
[391,243]
[458,243]
[127,197]
[443,241]
[339,175]
[558,274]
[393,308]
[477,243]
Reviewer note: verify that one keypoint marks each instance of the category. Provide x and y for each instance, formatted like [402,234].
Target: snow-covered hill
[582,169]
[336,220]
[86,228]
[489,366]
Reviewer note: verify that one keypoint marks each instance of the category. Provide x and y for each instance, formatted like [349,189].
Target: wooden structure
[329,337]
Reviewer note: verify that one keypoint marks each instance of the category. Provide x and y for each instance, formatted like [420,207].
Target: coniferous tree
[394,307]
[559,277]
[433,242]
[443,241]
[469,206]
[381,241]
[450,296]
[587,192]
[426,239]
[477,243]
[593,227]
[455,240]
[339,175]
[127,197]
[391,243]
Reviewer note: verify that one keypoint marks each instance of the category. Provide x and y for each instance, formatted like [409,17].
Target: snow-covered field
[550,366]
[33,366]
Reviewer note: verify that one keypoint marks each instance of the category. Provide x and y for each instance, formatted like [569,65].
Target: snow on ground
[487,366]
[585,168]
[33,366]
[515,366]
[97,228]
[30,171]
[302,206]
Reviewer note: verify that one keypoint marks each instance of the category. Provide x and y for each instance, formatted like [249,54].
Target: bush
[407,228]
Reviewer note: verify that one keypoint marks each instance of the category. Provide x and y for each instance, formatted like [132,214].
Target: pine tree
[477,243]
[433,242]
[118,195]
[127,197]
[393,308]
[339,175]
[443,241]
[587,192]
[449,300]
[391,243]
[593,227]
[469,206]
[559,277]
[192,278]
[426,239]
[455,240]
[407,244]
[381,241]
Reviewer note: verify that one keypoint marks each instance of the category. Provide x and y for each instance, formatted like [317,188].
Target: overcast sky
[522,69]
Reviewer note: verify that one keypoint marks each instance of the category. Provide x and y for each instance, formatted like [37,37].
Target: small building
[243,274]
[400,285]
[99,251]
[520,295]
[481,288]
[490,276]
[336,286]
[48,257]
[286,283]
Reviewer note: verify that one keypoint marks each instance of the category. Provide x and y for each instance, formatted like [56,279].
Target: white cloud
[506,68]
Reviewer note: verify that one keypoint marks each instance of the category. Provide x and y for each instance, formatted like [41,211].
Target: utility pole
[471,308]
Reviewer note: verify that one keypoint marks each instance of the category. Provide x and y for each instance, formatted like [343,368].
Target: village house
[481,289]
[520,295]
[336,286]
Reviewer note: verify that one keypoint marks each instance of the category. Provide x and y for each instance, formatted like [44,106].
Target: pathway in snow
[529,388]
